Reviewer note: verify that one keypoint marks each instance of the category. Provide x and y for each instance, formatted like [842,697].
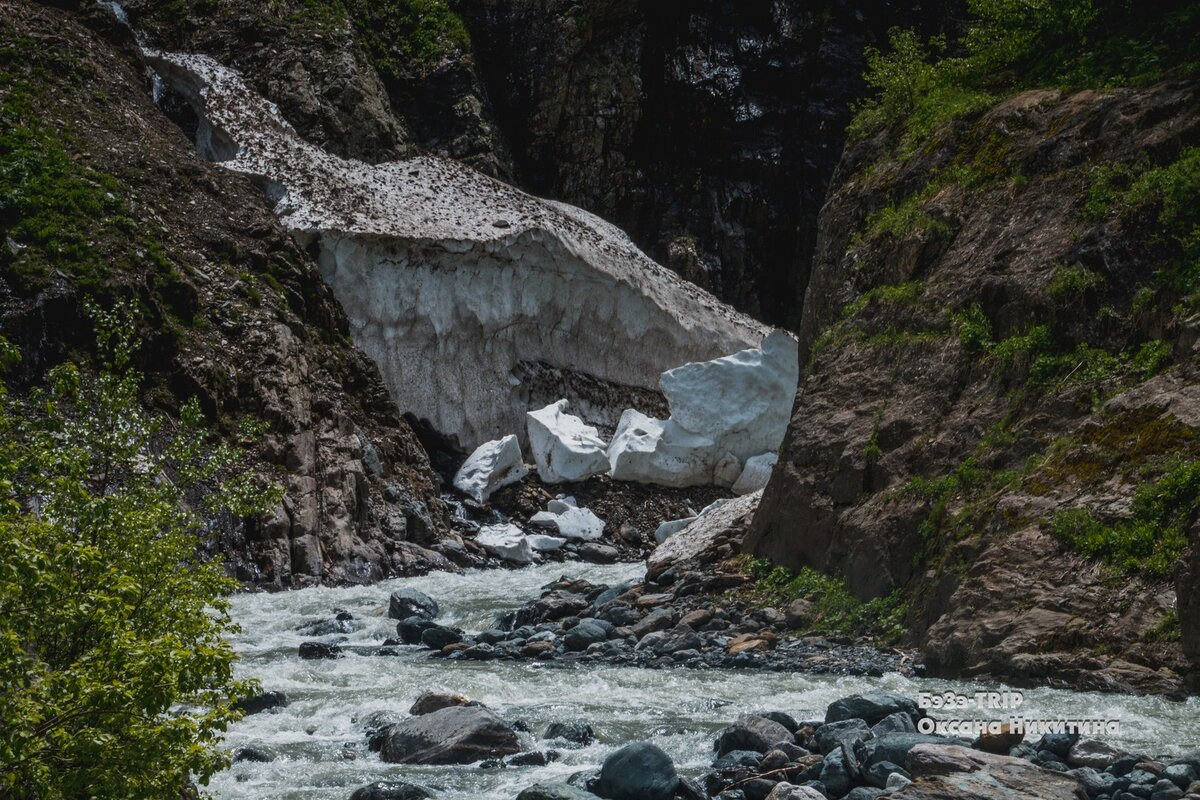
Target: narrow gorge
[557,400]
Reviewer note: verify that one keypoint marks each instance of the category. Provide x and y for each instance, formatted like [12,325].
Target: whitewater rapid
[679,709]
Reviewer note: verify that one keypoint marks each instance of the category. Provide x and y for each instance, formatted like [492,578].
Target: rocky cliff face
[707,130]
[999,415]
[106,199]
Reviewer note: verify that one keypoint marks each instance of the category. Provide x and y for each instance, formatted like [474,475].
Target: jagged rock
[492,465]
[577,733]
[637,771]
[788,791]
[755,474]
[572,522]
[564,447]
[699,536]
[1092,753]
[405,603]
[505,541]
[452,735]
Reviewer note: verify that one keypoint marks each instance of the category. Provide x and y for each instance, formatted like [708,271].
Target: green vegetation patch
[1153,538]
[835,611]
[1016,44]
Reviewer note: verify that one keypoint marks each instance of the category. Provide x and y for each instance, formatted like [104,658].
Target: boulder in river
[263,701]
[505,541]
[405,603]
[409,630]
[492,465]
[554,791]
[870,706]
[453,735]
[638,771]
[428,702]
[577,733]
[571,521]
[564,447]
[391,790]
[751,732]
[316,650]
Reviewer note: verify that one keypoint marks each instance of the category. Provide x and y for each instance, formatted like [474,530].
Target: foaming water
[679,709]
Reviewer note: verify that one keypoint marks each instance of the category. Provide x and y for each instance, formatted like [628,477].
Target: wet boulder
[406,603]
[576,733]
[870,707]
[638,771]
[439,636]
[788,791]
[492,465]
[392,790]
[409,630]
[264,701]
[254,753]
[453,735]
[428,702]
[554,791]
[751,732]
[586,633]
[317,650]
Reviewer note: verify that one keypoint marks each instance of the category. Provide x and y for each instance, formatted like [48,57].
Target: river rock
[880,771]
[505,541]
[405,603]
[840,770]
[1092,753]
[586,633]
[438,636]
[492,465]
[751,732]
[453,735]
[554,791]
[894,747]
[637,771]
[755,473]
[563,446]
[577,733]
[409,630]
[952,771]
[846,731]
[391,790]
[870,707]
[264,701]
[254,753]
[428,702]
[900,722]
[789,791]
[571,522]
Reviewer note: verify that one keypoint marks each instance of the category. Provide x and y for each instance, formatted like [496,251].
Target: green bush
[117,677]
[1153,538]
[1016,44]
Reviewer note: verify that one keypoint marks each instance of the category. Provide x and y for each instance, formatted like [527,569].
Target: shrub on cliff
[116,679]
[1015,44]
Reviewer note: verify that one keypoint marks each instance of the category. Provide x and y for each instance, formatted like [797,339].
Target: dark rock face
[243,322]
[452,735]
[871,707]
[406,603]
[708,131]
[638,771]
[897,395]
[751,732]
[258,703]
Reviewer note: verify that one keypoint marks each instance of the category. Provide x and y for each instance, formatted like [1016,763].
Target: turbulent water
[679,709]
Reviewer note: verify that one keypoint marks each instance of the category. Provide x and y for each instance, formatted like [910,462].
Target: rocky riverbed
[318,744]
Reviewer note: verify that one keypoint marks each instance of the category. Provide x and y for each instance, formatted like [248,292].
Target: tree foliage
[116,679]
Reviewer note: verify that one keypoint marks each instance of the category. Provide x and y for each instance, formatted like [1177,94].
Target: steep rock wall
[232,312]
[453,280]
[989,346]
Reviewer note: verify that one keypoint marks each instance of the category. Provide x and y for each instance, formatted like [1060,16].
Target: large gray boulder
[870,706]
[752,732]
[453,735]
[638,771]
[392,790]
[894,747]
[960,773]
